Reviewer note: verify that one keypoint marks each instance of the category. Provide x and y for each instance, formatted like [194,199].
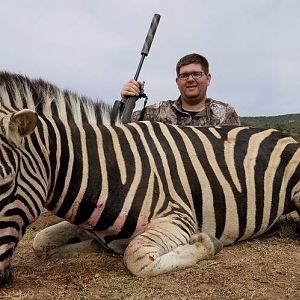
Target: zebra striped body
[163,195]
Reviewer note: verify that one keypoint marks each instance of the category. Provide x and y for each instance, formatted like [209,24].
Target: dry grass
[265,268]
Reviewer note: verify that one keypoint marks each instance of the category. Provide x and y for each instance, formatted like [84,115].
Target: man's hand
[131,88]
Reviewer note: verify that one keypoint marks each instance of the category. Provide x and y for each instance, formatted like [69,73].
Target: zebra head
[15,214]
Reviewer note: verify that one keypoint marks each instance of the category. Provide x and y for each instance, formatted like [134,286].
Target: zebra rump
[163,196]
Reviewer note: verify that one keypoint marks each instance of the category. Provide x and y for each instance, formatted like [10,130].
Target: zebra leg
[296,202]
[146,257]
[288,225]
[63,239]
[297,221]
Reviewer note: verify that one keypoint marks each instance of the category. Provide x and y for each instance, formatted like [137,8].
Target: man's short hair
[190,59]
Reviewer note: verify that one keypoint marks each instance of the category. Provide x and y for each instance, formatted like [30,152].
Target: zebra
[162,196]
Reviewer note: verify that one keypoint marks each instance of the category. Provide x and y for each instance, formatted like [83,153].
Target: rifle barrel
[130,102]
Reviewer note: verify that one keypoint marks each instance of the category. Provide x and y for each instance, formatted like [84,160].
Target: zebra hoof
[211,243]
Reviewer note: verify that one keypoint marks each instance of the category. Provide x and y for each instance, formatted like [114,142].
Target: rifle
[125,110]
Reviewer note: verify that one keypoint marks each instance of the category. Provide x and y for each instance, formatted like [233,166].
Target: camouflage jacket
[171,112]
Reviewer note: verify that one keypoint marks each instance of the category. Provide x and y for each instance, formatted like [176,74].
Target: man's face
[193,87]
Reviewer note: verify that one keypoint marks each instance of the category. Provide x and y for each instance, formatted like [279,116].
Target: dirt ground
[265,268]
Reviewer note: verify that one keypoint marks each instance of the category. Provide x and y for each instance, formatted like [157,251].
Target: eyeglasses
[195,75]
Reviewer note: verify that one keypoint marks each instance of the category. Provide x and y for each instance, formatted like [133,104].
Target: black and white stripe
[142,183]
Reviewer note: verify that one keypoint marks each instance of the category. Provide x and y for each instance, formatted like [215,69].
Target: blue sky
[93,47]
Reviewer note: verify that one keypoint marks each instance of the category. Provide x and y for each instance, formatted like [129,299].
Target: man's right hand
[131,88]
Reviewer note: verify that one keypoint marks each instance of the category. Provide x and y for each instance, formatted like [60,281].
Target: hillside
[289,124]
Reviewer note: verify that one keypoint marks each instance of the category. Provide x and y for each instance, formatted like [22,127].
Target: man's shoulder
[219,103]
[223,113]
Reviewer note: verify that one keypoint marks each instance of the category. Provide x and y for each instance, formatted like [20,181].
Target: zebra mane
[18,92]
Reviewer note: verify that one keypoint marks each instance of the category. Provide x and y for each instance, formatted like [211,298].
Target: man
[192,107]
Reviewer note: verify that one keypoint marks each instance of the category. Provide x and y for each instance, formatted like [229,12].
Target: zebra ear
[21,124]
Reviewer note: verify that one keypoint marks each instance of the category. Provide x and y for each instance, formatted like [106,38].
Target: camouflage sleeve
[149,115]
[231,117]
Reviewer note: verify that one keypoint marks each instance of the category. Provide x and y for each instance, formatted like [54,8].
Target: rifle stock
[128,109]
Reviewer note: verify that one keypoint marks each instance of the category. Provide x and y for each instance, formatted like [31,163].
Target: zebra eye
[6,182]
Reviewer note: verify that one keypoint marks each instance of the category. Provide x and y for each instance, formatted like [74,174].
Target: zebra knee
[140,260]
